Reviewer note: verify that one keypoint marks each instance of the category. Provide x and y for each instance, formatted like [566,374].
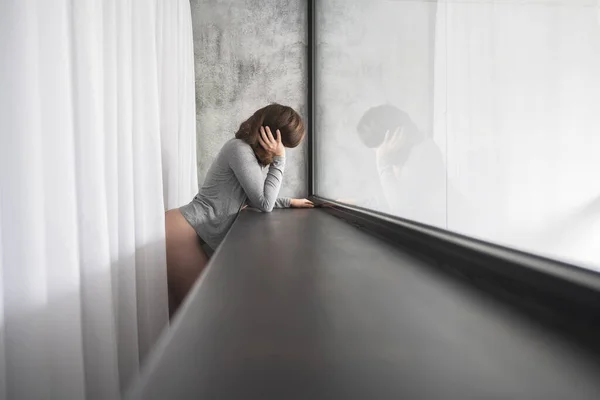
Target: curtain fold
[97,139]
[178,107]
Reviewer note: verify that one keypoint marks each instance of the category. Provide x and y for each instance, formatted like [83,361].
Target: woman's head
[378,120]
[275,116]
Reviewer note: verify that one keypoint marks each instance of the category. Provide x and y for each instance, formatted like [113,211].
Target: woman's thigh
[185,257]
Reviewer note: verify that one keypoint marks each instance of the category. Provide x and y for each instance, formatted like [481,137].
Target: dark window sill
[299,304]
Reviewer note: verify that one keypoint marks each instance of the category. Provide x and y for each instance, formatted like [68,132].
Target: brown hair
[275,116]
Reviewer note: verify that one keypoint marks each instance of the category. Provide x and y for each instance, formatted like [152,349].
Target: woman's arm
[283,202]
[286,202]
[249,174]
[262,194]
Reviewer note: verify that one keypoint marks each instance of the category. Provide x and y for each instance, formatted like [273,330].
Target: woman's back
[221,191]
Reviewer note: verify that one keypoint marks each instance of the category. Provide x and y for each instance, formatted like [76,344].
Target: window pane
[480,117]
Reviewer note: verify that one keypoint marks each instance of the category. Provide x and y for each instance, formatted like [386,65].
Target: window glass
[480,117]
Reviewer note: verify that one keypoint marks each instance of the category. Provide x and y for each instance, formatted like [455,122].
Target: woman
[234,179]
[410,165]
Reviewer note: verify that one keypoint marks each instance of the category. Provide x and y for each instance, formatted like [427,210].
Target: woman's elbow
[267,208]
[262,204]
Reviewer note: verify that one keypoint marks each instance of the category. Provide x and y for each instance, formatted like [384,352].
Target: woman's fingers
[307,203]
[266,140]
[393,138]
[388,141]
[278,132]
[264,136]
[302,203]
[263,143]
[270,136]
[398,133]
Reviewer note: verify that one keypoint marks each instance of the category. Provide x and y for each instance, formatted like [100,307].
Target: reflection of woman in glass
[410,165]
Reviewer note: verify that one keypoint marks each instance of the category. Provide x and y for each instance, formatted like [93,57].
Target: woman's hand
[271,144]
[301,203]
[388,151]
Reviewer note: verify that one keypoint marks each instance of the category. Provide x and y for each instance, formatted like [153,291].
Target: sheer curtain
[517,92]
[175,55]
[97,138]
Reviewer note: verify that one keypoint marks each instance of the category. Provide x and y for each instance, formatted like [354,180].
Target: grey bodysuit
[234,178]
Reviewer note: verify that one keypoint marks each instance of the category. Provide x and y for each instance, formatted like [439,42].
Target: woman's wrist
[278,160]
[279,153]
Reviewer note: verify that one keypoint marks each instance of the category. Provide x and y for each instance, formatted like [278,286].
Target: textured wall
[248,54]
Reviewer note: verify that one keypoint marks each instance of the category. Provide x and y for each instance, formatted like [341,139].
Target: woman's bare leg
[185,257]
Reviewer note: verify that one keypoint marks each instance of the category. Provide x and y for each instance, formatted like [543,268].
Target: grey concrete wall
[248,53]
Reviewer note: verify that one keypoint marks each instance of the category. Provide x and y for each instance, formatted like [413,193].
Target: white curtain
[517,94]
[97,138]
[175,54]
